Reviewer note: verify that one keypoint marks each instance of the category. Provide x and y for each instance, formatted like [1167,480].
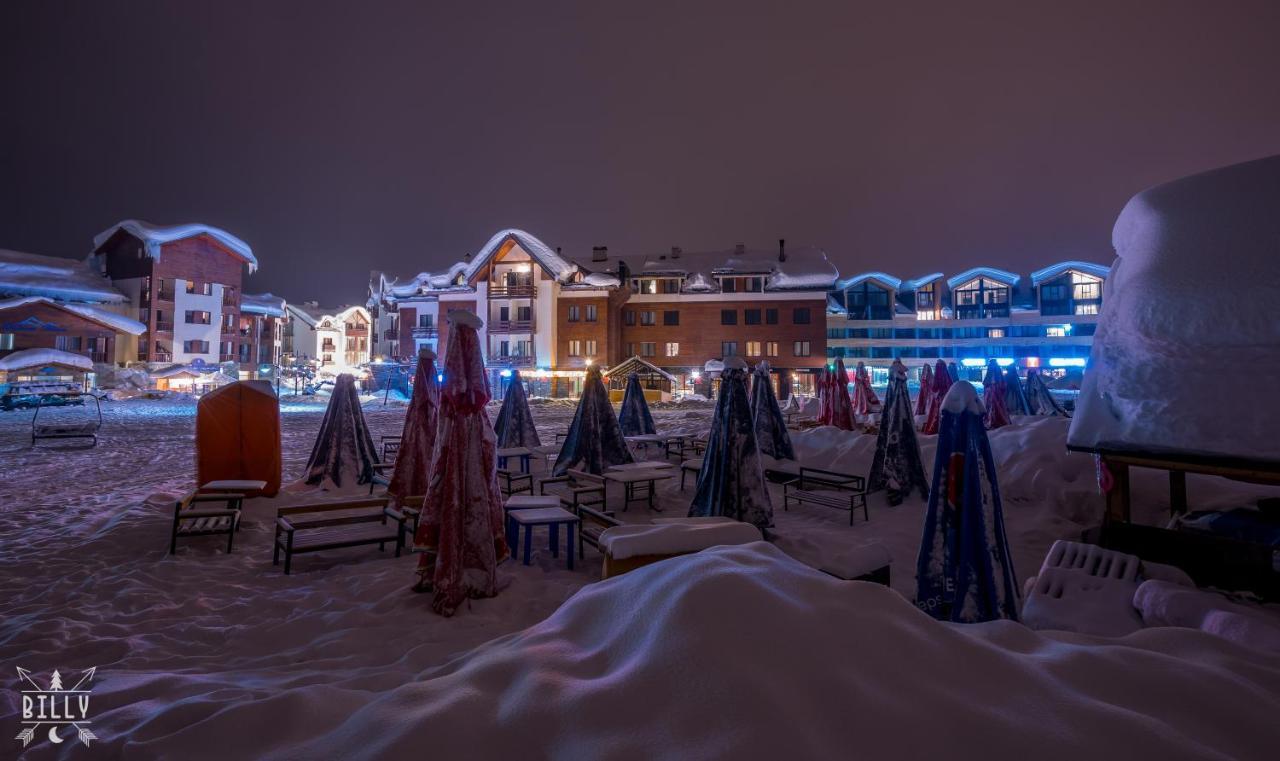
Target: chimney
[782,249]
[599,253]
[557,250]
[740,249]
[676,251]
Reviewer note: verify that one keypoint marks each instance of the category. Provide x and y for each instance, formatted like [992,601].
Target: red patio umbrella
[926,389]
[409,478]
[941,384]
[841,406]
[461,534]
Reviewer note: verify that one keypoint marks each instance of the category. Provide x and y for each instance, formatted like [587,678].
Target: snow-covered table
[551,517]
[639,479]
[524,453]
[234,485]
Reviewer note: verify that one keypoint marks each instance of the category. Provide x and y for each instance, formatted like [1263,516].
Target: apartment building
[185,284]
[551,315]
[1045,320]
[337,339]
[262,320]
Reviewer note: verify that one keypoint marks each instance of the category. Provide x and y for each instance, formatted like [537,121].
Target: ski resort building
[552,316]
[184,283]
[262,323]
[1045,320]
[335,339]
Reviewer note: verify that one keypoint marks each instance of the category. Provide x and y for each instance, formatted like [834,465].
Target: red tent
[238,435]
[461,534]
[409,478]
[841,406]
[941,384]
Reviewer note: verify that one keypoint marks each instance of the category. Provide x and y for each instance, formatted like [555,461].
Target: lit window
[575,348]
[800,349]
[995,332]
[771,348]
[1056,331]
[591,348]
[753,348]
[673,349]
[1086,308]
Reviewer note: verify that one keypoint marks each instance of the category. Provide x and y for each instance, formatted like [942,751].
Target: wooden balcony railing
[164,294]
[165,327]
[421,332]
[512,360]
[511,326]
[512,291]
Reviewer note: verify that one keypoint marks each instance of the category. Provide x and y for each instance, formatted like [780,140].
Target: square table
[524,502]
[640,480]
[551,517]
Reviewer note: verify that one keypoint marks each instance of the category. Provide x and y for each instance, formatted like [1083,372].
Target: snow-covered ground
[209,655]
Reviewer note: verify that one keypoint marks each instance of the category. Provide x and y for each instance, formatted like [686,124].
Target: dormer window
[1073,292]
[980,298]
[869,301]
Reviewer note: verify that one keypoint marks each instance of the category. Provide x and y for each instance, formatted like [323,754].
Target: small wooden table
[551,517]
[640,481]
[524,502]
[524,453]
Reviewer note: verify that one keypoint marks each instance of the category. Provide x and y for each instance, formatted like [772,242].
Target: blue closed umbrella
[634,417]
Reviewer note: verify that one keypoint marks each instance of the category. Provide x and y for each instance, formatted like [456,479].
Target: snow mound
[1184,311]
[667,662]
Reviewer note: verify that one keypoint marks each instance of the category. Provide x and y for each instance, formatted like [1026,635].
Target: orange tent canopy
[238,435]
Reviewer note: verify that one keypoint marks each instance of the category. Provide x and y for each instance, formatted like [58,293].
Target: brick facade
[43,326]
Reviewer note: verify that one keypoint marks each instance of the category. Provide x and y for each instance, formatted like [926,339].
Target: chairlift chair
[87,429]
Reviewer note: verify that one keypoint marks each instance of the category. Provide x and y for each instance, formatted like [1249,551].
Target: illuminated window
[753,348]
[673,349]
[575,348]
[995,332]
[1056,331]
[800,349]
[771,348]
[1086,308]
[591,348]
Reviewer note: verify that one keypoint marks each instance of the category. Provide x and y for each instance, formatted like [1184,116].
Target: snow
[1188,307]
[671,538]
[208,655]
[27,358]
[155,236]
[23,274]
[1054,270]
[262,303]
[920,282]
[601,280]
[961,397]
[1002,276]
[541,252]
[105,317]
[889,280]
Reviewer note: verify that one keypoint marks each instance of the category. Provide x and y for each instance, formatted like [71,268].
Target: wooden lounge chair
[330,525]
[693,466]
[576,488]
[827,488]
[514,482]
[194,521]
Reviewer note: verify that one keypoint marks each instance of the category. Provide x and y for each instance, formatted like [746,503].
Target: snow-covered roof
[637,365]
[155,236]
[175,370]
[23,274]
[1054,270]
[884,278]
[99,315]
[920,282]
[312,313]
[27,358]
[804,269]
[991,273]
[262,303]
[541,253]
[459,274]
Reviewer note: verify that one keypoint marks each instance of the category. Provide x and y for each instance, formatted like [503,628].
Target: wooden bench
[581,488]
[827,488]
[594,523]
[315,527]
[193,521]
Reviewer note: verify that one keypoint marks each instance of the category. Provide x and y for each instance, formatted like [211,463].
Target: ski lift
[84,429]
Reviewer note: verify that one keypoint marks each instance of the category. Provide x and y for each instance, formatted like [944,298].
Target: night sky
[337,138]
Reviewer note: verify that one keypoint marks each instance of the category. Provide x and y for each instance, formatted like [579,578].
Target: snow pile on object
[155,236]
[23,274]
[672,538]
[1165,604]
[123,378]
[666,662]
[1189,307]
[27,358]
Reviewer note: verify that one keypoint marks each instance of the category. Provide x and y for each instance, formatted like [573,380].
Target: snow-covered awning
[1054,270]
[638,365]
[23,274]
[262,303]
[991,273]
[117,322]
[155,236]
[29,358]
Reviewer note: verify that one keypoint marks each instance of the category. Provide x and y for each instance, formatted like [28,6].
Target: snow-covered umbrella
[1039,399]
[595,441]
[941,384]
[418,438]
[993,390]
[634,417]
[1015,399]
[731,482]
[897,463]
[841,405]
[824,396]
[964,572]
[771,429]
[514,426]
[460,533]
[954,371]
[926,389]
[343,455]
[864,399]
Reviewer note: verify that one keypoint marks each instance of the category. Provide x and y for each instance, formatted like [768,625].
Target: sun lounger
[189,520]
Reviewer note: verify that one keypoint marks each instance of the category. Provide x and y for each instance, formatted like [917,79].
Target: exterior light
[439,377]
[505,373]
[589,361]
[1066,362]
[1004,361]
[973,362]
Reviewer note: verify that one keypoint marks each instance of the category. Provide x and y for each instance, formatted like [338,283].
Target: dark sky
[337,137]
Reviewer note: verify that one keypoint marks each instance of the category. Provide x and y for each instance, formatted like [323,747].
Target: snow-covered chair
[1084,588]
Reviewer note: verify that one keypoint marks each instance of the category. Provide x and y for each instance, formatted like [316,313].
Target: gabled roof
[541,253]
[805,268]
[1054,270]
[27,358]
[920,282]
[23,274]
[881,277]
[991,273]
[155,236]
[117,322]
[312,313]
[638,365]
[262,303]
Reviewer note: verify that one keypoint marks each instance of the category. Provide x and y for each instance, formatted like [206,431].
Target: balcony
[512,360]
[356,329]
[164,327]
[420,332]
[511,326]
[164,294]
[227,358]
[513,291]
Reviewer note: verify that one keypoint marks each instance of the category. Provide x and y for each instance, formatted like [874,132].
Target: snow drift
[655,664]
[1189,307]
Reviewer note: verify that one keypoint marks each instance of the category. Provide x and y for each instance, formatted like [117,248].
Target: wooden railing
[512,291]
[511,326]
[420,332]
[512,360]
